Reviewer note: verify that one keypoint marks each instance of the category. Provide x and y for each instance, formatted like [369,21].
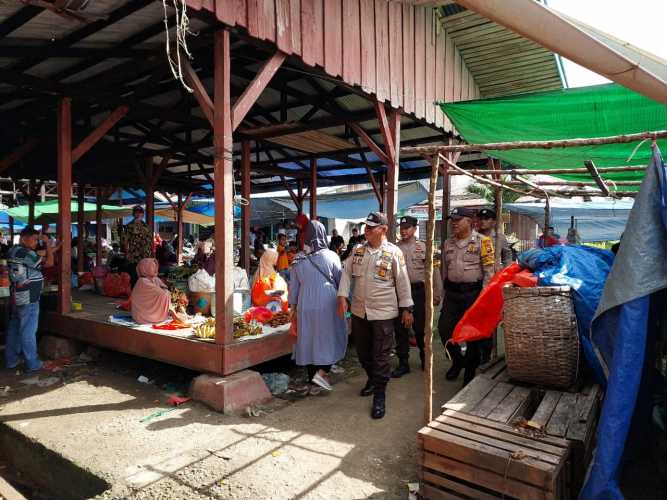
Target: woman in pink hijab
[150,297]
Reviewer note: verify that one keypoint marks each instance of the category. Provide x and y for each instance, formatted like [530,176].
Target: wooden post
[500,227]
[547,210]
[444,223]
[98,226]
[383,192]
[299,195]
[179,228]
[31,203]
[393,173]
[64,132]
[150,194]
[223,174]
[246,208]
[428,284]
[313,189]
[80,249]
[11,231]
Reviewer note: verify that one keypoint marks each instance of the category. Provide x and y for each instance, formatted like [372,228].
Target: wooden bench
[497,439]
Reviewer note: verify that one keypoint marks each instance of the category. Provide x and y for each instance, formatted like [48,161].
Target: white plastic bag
[201,281]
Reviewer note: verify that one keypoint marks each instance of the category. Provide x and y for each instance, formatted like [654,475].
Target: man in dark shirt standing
[25,266]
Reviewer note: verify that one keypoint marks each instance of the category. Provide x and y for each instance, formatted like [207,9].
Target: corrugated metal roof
[501,61]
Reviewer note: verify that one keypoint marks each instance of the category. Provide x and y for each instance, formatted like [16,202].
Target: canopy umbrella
[47,212]
[189,217]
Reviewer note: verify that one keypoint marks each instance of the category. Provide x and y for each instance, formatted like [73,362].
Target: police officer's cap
[461,212]
[408,221]
[486,213]
[376,219]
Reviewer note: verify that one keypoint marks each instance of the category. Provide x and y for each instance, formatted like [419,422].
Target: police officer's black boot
[368,389]
[378,409]
[403,368]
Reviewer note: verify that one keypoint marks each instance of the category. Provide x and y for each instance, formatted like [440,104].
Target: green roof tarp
[587,112]
[47,212]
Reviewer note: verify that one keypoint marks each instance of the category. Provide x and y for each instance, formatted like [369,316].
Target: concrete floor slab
[320,447]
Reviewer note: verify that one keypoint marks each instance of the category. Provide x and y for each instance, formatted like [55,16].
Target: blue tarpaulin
[595,220]
[621,327]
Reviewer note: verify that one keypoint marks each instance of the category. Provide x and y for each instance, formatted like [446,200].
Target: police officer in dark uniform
[414,252]
[468,264]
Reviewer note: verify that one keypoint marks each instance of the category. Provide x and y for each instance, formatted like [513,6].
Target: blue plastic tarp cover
[584,269]
[621,326]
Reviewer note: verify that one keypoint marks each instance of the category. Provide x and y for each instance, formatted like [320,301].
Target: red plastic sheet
[482,318]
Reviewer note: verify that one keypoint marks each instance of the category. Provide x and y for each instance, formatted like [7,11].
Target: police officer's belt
[462,287]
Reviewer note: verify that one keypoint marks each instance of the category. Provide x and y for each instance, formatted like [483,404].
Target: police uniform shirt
[378,281]
[414,252]
[505,250]
[469,260]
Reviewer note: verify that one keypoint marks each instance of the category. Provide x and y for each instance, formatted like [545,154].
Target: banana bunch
[244,329]
[205,330]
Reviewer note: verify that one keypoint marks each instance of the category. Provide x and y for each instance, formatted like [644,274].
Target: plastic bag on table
[201,281]
[482,318]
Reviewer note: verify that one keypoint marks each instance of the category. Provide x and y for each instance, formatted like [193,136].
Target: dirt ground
[97,415]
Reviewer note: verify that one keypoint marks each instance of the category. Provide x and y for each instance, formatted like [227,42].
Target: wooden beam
[292,194]
[18,19]
[565,143]
[371,144]
[387,132]
[313,189]
[374,185]
[246,207]
[179,228]
[91,139]
[98,225]
[198,90]
[596,177]
[256,87]
[64,132]
[149,187]
[19,153]
[223,190]
[393,172]
[80,249]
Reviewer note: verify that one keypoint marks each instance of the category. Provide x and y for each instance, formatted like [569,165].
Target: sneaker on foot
[322,382]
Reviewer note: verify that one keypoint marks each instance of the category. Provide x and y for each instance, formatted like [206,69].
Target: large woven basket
[541,340]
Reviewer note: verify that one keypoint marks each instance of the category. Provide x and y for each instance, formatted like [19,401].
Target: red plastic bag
[482,318]
[117,285]
[525,279]
[259,314]
[86,279]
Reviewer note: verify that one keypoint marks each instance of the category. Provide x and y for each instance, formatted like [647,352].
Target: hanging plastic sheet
[621,326]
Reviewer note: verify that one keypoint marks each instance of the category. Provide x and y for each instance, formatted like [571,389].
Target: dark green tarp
[587,112]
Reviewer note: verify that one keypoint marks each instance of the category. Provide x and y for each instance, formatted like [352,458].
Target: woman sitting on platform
[269,289]
[150,298]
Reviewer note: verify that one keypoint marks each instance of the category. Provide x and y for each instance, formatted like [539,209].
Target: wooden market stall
[269,95]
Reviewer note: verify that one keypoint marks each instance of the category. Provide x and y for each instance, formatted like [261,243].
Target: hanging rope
[182,31]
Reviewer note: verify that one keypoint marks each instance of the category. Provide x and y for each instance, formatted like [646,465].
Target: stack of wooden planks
[497,439]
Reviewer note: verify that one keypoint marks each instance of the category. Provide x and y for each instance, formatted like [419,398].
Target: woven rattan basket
[541,340]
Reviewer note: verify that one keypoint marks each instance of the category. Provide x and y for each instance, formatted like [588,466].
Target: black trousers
[374,341]
[131,269]
[403,334]
[454,306]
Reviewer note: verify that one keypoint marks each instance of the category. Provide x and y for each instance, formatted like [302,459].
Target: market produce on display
[243,328]
[279,319]
[259,314]
[205,330]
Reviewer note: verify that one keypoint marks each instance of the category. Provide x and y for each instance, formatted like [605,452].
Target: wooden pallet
[530,412]
[463,456]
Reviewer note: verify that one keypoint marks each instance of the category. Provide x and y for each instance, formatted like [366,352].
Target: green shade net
[47,212]
[587,112]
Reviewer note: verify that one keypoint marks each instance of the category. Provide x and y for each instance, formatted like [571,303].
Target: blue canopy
[595,220]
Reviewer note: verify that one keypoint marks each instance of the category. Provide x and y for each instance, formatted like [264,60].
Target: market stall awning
[595,220]
[588,112]
[47,212]
[189,216]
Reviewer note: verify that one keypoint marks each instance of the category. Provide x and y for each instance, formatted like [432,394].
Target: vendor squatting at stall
[267,285]
[150,299]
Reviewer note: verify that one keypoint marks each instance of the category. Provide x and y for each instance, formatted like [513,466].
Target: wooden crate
[530,412]
[463,456]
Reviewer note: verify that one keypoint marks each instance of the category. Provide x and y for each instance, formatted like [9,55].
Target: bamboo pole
[564,143]
[428,283]
[553,171]
[576,183]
